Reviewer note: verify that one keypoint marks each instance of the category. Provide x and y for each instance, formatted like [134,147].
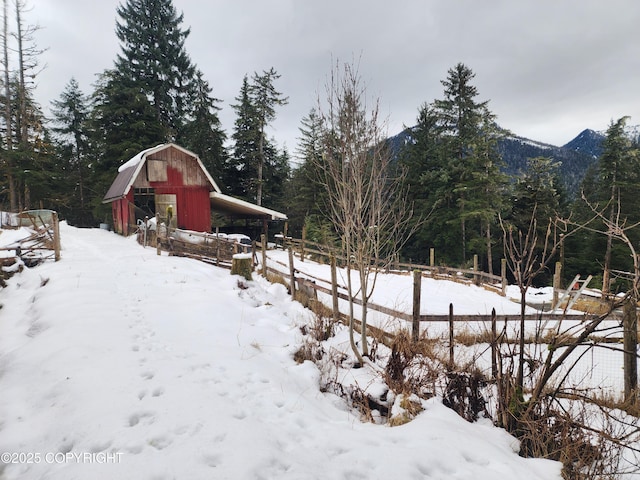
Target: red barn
[169,175]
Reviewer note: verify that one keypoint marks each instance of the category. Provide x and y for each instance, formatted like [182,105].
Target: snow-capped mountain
[575,157]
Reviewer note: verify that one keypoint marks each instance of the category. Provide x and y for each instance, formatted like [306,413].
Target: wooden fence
[331,287]
[42,244]
[44,241]
[307,248]
[309,283]
[210,248]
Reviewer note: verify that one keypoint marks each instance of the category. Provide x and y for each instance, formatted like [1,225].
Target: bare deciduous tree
[592,437]
[527,257]
[365,200]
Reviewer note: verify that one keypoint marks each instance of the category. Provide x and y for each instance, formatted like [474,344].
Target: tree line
[451,170]
[462,199]
[154,93]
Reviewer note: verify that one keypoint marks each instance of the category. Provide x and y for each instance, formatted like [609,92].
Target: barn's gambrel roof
[128,172]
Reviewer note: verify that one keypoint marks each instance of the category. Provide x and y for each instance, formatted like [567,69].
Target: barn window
[156,170]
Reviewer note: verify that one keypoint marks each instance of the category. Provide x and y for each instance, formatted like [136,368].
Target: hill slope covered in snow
[117,363]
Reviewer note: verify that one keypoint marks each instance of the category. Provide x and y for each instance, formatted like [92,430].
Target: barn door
[163,201]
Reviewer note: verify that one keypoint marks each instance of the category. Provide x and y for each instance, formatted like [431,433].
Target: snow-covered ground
[396,291]
[116,363]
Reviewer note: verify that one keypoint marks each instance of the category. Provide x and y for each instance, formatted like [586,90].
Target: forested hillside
[467,179]
[575,157]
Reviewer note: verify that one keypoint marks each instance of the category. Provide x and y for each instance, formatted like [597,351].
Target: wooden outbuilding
[169,179]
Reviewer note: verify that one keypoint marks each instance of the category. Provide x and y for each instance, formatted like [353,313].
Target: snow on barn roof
[135,160]
[235,206]
[128,171]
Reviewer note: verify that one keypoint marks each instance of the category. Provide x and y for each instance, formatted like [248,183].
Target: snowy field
[601,369]
[116,363]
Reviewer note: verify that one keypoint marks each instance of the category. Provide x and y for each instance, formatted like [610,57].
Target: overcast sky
[549,68]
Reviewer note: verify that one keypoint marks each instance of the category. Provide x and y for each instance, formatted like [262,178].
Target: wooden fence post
[56,236]
[263,243]
[304,237]
[146,231]
[218,247]
[476,277]
[630,326]
[432,257]
[417,286]
[503,274]
[556,284]
[334,288]
[494,345]
[284,234]
[451,354]
[158,233]
[292,273]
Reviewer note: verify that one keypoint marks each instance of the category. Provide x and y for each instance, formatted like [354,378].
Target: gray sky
[549,68]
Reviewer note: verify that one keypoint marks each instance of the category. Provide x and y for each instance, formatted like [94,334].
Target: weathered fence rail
[306,248]
[206,247]
[43,243]
[331,288]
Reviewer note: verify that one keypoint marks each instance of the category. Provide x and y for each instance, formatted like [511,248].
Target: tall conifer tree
[306,193]
[454,171]
[619,186]
[241,167]
[265,98]
[70,117]
[203,132]
[154,58]
[255,169]
[123,123]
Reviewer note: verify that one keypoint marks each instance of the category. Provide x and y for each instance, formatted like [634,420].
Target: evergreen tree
[154,58]
[70,117]
[536,188]
[27,163]
[123,123]
[203,133]
[264,98]
[277,176]
[255,160]
[241,171]
[454,172]
[305,193]
[537,194]
[429,187]
[470,138]
[619,187]
[34,170]
[611,187]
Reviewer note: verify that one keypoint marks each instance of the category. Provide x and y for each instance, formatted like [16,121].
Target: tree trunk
[523,306]
[354,347]
[13,194]
[365,308]
[630,324]
[260,167]
[242,264]
[464,241]
[489,253]
[606,274]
